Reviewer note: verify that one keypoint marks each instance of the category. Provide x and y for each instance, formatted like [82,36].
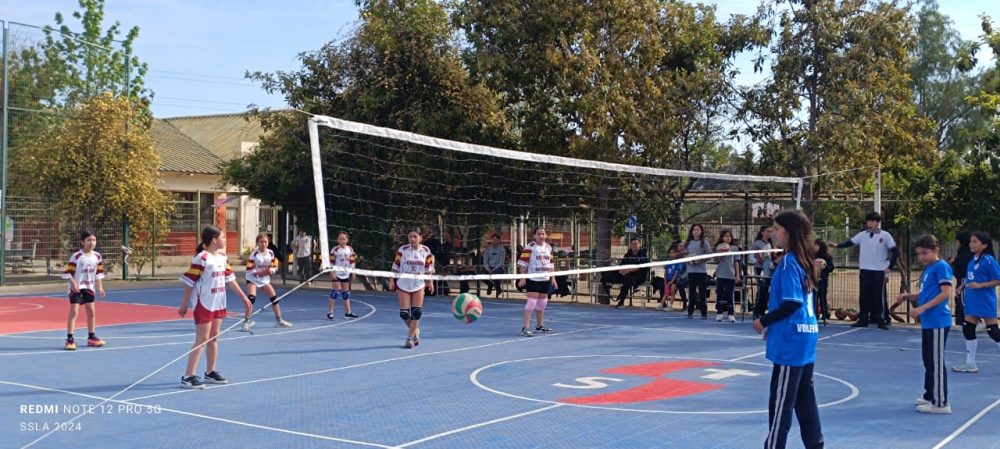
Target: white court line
[839,334]
[967,424]
[474,426]
[272,334]
[197,415]
[362,365]
[36,307]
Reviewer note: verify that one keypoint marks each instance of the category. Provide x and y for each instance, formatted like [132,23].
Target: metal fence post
[3,171]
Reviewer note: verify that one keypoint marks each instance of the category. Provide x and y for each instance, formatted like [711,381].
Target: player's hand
[354,278]
[100,291]
[831,245]
[520,283]
[900,298]
[73,287]
[182,310]
[758,327]
[915,312]
[820,263]
[554,284]
[431,287]
[392,284]
[972,285]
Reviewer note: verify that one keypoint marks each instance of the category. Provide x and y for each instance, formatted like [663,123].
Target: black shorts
[81,297]
[537,286]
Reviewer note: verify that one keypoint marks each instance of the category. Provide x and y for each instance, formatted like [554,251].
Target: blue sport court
[605,379]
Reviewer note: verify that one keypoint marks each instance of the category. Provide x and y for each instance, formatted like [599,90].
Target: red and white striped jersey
[208,275]
[413,261]
[537,259]
[343,257]
[261,261]
[86,269]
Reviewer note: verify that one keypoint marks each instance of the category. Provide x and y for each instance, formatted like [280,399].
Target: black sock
[91,335]
[69,337]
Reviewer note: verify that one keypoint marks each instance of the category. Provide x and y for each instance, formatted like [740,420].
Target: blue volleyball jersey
[934,276]
[792,341]
[982,269]
[671,270]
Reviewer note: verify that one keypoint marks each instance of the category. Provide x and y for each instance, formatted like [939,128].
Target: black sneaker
[350,315]
[860,324]
[526,333]
[619,306]
[543,329]
[330,317]
[489,289]
[192,382]
[215,378]
[883,326]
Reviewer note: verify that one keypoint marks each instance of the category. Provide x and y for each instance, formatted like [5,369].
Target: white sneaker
[921,401]
[732,318]
[718,317]
[282,323]
[930,408]
[247,324]
[965,368]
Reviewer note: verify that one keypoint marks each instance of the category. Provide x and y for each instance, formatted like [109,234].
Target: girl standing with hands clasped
[536,258]
[980,297]
[343,257]
[935,321]
[207,278]
[261,264]
[412,258]
[791,332]
[85,272]
[697,271]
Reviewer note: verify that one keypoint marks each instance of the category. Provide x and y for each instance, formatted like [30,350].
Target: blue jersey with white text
[934,276]
[792,341]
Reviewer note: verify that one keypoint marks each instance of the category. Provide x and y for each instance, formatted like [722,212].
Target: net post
[322,232]
[798,194]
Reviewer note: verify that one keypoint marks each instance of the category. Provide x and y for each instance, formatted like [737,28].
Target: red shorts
[203,315]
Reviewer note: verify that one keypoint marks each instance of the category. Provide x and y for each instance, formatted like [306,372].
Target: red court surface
[42,313]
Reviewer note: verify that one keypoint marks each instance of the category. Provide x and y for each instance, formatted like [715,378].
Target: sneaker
[70,345]
[282,323]
[95,342]
[543,329]
[409,343]
[859,324]
[215,378]
[921,401]
[416,339]
[247,324]
[704,317]
[690,316]
[965,368]
[192,382]
[489,289]
[350,315]
[619,306]
[718,317]
[526,333]
[330,316]
[930,408]
[883,326]
[732,318]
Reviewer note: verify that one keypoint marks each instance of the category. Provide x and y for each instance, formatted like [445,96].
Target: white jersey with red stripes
[537,259]
[86,269]
[412,260]
[343,257]
[208,276]
[260,266]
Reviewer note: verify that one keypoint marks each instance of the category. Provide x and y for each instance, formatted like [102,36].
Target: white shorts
[410,285]
[259,282]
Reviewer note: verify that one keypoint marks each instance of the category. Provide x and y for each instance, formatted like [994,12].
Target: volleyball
[723,247]
[467,307]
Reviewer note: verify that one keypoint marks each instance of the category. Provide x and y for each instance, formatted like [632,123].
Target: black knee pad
[273,299]
[252,298]
[404,314]
[416,312]
[969,330]
[993,331]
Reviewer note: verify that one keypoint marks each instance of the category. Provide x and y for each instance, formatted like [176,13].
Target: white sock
[970,351]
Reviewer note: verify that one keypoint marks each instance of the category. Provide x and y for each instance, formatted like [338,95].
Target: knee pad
[346,294]
[335,295]
[252,298]
[273,299]
[993,331]
[416,312]
[542,302]
[530,304]
[969,330]
[404,314]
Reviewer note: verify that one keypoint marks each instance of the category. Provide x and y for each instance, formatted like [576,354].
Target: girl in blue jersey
[935,321]
[980,297]
[791,332]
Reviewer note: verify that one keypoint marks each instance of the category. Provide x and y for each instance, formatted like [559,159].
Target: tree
[401,69]
[839,97]
[99,164]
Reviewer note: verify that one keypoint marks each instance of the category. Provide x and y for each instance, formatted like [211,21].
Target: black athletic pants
[872,294]
[792,390]
[935,375]
[698,293]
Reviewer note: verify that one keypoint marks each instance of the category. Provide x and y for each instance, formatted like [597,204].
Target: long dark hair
[985,238]
[208,233]
[722,234]
[691,233]
[824,252]
[760,232]
[799,230]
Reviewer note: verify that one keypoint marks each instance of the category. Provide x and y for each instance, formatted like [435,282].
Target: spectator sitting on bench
[628,277]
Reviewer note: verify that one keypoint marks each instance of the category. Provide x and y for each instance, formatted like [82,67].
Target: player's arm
[182,310]
[946,290]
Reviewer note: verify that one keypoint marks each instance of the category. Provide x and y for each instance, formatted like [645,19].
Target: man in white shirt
[304,246]
[876,259]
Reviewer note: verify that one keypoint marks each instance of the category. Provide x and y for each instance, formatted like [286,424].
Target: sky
[199,51]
